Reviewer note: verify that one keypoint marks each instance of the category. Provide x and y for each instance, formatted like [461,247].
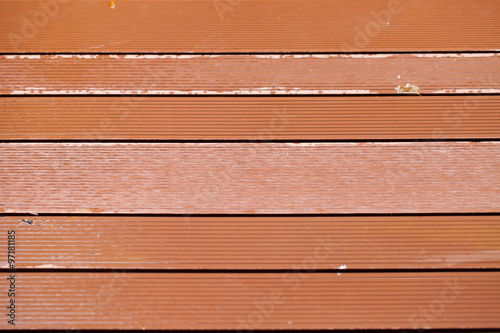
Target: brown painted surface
[344,52]
[228,242]
[250,118]
[229,178]
[248,74]
[232,301]
[249,26]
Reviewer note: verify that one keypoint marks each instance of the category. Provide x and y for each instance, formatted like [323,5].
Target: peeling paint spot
[48,266]
[455,55]
[256,91]
[410,89]
[467,91]
[20,56]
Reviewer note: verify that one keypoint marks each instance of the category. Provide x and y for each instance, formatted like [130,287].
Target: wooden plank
[249,118]
[249,26]
[250,178]
[228,242]
[256,301]
[334,74]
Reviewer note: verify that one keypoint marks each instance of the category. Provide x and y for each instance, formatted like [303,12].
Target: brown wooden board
[250,178]
[249,26]
[316,74]
[249,118]
[246,301]
[229,242]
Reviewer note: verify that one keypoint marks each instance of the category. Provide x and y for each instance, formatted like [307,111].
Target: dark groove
[476,140]
[252,215]
[244,271]
[446,330]
[247,53]
[247,95]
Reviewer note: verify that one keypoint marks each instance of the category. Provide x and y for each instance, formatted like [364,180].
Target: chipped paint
[467,91]
[258,91]
[409,89]
[455,55]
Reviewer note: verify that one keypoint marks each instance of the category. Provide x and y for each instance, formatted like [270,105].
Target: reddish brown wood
[232,301]
[194,242]
[335,74]
[249,118]
[249,178]
[249,26]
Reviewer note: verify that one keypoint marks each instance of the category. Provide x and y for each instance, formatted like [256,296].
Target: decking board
[310,74]
[229,242]
[125,300]
[250,178]
[249,26]
[248,118]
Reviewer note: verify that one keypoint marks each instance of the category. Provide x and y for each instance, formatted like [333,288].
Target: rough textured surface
[249,118]
[228,242]
[231,178]
[232,301]
[249,26]
[248,74]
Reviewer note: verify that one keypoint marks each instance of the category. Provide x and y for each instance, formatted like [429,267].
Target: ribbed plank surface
[247,118]
[230,178]
[193,242]
[249,26]
[232,301]
[248,74]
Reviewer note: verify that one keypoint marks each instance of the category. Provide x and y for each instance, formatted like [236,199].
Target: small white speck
[387,23]
[343,267]
[399,76]
[290,323]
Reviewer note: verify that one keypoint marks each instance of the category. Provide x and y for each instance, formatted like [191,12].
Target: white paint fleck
[168,56]
[467,91]
[47,266]
[367,56]
[21,56]
[343,267]
[455,55]
[256,91]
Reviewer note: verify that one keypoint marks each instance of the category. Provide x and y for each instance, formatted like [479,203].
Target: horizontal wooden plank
[128,242]
[255,301]
[249,118]
[249,26]
[248,74]
[248,178]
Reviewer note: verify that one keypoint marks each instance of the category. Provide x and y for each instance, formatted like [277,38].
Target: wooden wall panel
[249,26]
[249,118]
[334,74]
[229,242]
[250,178]
[257,301]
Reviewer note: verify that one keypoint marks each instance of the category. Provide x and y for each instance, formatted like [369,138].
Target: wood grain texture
[232,301]
[228,242]
[249,118]
[249,26]
[333,74]
[268,178]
